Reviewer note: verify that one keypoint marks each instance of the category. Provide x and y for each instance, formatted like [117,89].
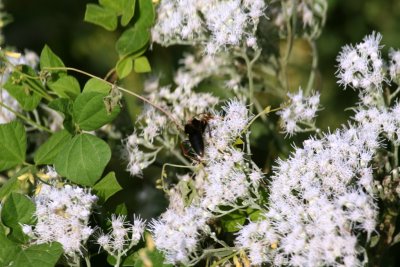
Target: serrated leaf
[21,89]
[48,151]
[66,87]
[12,144]
[104,17]
[107,187]
[90,112]
[17,209]
[48,59]
[83,159]
[43,255]
[124,67]
[96,85]
[141,65]
[132,40]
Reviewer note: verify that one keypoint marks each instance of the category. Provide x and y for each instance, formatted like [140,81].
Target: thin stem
[396,156]
[314,66]
[87,260]
[250,78]
[394,94]
[169,115]
[225,259]
[267,110]
[171,165]
[29,121]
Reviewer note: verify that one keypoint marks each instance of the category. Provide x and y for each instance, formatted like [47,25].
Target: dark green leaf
[121,209]
[232,221]
[12,145]
[17,209]
[83,159]
[8,250]
[65,106]
[48,151]
[50,60]
[90,112]
[132,40]
[124,67]
[22,88]
[66,87]
[96,85]
[107,187]
[141,65]
[43,255]
[104,17]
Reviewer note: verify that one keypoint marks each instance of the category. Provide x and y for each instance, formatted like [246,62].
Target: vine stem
[169,115]
[29,121]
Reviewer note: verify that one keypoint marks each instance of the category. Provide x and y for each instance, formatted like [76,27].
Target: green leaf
[146,14]
[50,60]
[124,67]
[96,85]
[18,209]
[107,187]
[104,17]
[154,256]
[132,40]
[22,88]
[43,255]
[8,250]
[232,221]
[121,209]
[83,159]
[142,65]
[66,87]
[90,112]
[12,145]
[12,183]
[65,106]
[128,11]
[48,151]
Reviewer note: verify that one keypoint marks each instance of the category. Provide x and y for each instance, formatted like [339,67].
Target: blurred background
[60,25]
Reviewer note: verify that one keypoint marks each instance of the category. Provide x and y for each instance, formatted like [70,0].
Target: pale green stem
[225,259]
[169,115]
[394,94]
[249,66]
[87,260]
[29,121]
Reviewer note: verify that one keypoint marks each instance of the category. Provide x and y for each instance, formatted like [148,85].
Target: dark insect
[195,129]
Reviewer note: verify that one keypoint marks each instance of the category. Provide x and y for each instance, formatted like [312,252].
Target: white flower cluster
[183,103]
[301,109]
[259,239]
[14,59]
[122,236]
[394,65]
[178,230]
[320,198]
[216,24]
[361,66]
[63,216]
[194,70]
[226,179]
[382,120]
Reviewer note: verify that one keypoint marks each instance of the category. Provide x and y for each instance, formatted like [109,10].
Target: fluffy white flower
[301,109]
[122,236]
[63,216]
[215,24]
[361,66]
